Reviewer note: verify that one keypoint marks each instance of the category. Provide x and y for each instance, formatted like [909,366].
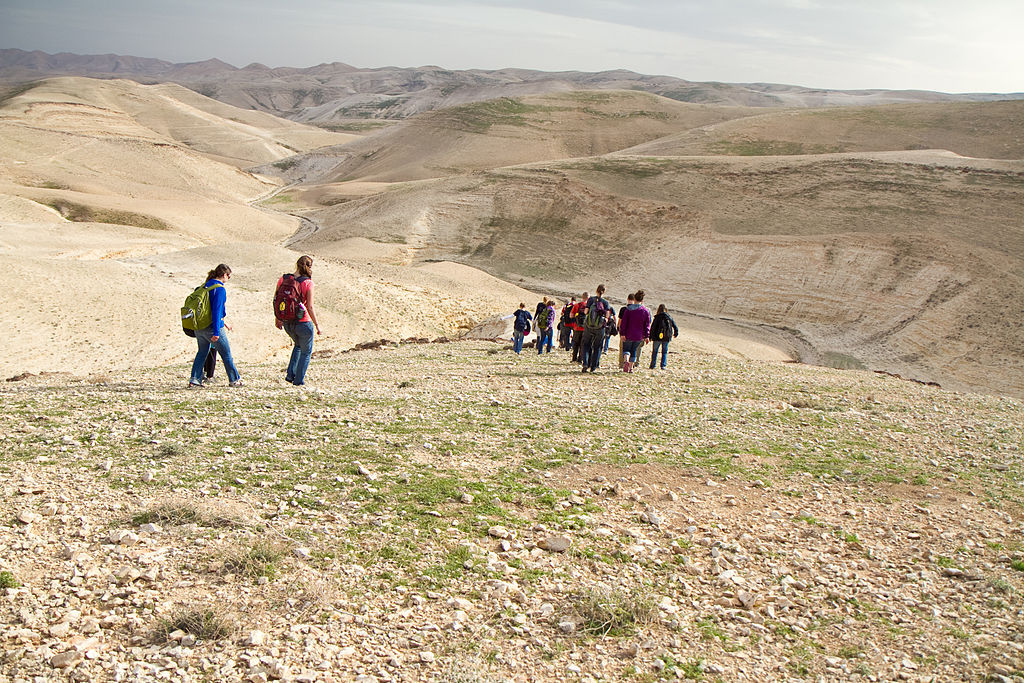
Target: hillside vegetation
[985,130]
[437,508]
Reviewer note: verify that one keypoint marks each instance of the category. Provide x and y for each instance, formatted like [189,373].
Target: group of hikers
[202,317]
[586,325]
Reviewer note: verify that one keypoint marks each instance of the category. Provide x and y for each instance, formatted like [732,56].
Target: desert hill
[981,129]
[116,198]
[505,132]
[335,93]
[868,257]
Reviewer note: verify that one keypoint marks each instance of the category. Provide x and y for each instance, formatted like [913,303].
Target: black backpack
[660,329]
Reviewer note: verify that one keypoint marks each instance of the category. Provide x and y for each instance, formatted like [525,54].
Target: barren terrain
[453,512]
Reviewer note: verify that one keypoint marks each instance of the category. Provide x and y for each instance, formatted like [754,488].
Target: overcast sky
[945,45]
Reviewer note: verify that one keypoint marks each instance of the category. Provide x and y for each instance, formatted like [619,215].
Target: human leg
[304,345]
[211,363]
[224,349]
[664,354]
[302,336]
[203,341]
[517,341]
[597,346]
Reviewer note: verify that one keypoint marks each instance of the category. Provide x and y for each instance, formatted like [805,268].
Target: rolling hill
[909,262]
[336,93]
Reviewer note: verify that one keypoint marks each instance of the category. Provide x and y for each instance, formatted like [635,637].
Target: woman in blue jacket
[214,334]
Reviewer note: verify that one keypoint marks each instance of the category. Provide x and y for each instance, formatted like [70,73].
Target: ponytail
[219,272]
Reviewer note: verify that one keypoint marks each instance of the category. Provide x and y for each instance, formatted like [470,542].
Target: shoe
[207,380]
[195,385]
[236,383]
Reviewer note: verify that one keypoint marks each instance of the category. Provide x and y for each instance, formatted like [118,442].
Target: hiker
[629,301]
[610,329]
[544,325]
[635,326]
[564,325]
[663,330]
[300,323]
[520,328]
[576,316]
[213,335]
[596,313]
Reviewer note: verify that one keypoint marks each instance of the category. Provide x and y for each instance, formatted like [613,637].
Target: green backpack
[196,313]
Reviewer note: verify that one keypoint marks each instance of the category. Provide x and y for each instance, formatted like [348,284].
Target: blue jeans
[517,341]
[663,345]
[543,338]
[223,348]
[302,335]
[632,348]
[607,340]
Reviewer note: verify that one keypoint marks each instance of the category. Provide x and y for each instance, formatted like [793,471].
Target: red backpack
[288,307]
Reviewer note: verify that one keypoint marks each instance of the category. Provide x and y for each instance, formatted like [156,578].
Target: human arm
[218,305]
[675,330]
[309,307]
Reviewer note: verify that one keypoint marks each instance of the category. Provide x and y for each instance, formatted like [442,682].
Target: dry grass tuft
[605,612]
[205,624]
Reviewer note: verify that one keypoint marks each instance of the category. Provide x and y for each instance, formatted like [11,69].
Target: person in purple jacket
[214,334]
[635,328]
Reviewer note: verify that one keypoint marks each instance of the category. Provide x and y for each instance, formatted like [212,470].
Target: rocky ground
[454,512]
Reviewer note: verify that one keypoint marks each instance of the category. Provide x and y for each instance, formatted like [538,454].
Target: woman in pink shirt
[301,330]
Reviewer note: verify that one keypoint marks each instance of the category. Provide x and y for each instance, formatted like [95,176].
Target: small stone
[255,638]
[427,657]
[28,517]
[50,509]
[554,544]
[467,498]
[499,532]
[148,476]
[302,553]
[567,626]
[66,660]
[150,529]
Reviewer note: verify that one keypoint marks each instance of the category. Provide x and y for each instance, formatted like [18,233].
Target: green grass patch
[81,213]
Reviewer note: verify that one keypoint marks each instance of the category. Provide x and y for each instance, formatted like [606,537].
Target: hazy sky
[946,45]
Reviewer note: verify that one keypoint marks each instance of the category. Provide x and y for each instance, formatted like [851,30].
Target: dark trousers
[577,340]
[591,348]
[211,363]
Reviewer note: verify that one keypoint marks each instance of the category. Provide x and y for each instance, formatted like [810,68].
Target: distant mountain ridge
[335,92]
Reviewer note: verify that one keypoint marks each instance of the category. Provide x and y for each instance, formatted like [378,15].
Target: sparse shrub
[8,580]
[1017,564]
[285,164]
[172,450]
[176,513]
[262,559]
[204,624]
[612,613]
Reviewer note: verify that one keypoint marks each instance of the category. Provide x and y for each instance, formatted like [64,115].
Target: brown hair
[639,296]
[219,272]
[600,290]
[661,308]
[304,266]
